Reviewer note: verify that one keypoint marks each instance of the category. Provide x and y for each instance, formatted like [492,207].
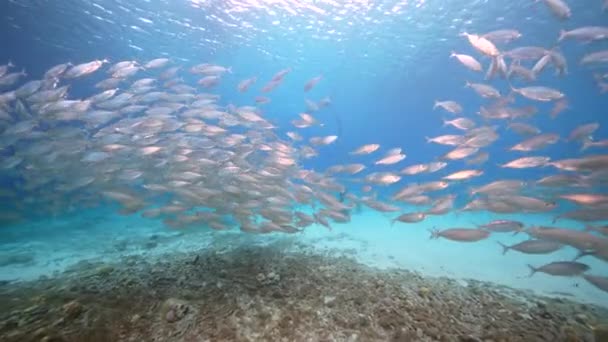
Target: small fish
[366,149]
[483,90]
[527,162]
[450,106]
[312,83]
[409,218]
[390,159]
[533,247]
[536,143]
[460,123]
[481,44]
[502,36]
[538,93]
[559,8]
[598,281]
[585,34]
[468,61]
[558,107]
[503,226]
[561,268]
[244,85]
[523,128]
[463,175]
[460,153]
[157,63]
[460,234]
[84,69]
[583,132]
[586,199]
[595,57]
[449,140]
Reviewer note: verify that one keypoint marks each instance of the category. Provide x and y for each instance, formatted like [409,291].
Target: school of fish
[148,137]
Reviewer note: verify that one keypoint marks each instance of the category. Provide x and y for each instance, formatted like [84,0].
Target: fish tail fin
[520,230]
[23,73]
[445,122]
[393,222]
[10,64]
[436,104]
[452,53]
[532,270]
[582,253]
[428,140]
[562,35]
[229,70]
[467,84]
[434,233]
[505,248]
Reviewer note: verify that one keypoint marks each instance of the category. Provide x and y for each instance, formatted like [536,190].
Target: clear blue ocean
[460,145]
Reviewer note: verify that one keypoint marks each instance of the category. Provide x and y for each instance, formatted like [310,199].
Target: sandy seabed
[283,291]
[99,277]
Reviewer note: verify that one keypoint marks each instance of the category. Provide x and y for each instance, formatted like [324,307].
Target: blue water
[384,63]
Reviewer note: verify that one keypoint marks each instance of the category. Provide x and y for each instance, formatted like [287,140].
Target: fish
[516,70]
[574,238]
[450,106]
[533,247]
[157,63]
[461,234]
[483,90]
[523,128]
[366,149]
[588,199]
[442,205]
[561,268]
[463,175]
[541,64]
[468,61]
[585,34]
[382,178]
[84,69]
[460,123]
[245,84]
[559,8]
[595,57]
[415,169]
[390,159]
[409,218]
[588,143]
[527,162]
[449,140]
[583,132]
[539,93]
[536,142]
[503,36]
[526,53]
[460,153]
[6,67]
[595,280]
[588,163]
[312,83]
[558,107]
[503,226]
[481,44]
